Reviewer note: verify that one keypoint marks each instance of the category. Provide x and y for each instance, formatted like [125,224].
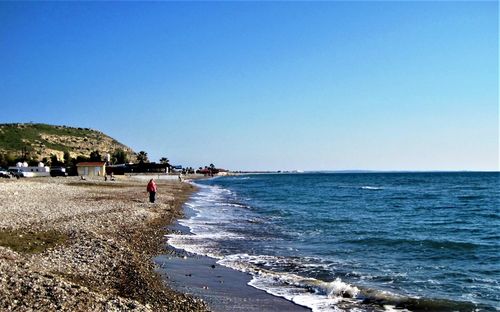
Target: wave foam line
[336,295]
[309,292]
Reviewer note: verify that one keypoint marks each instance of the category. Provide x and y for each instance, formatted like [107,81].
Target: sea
[355,241]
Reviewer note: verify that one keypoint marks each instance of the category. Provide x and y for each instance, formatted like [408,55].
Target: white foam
[371,188]
[313,293]
[207,223]
[231,205]
[391,308]
[194,244]
[206,227]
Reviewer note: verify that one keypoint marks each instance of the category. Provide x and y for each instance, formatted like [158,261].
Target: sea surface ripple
[356,242]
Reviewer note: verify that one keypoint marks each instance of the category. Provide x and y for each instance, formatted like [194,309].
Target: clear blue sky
[263,86]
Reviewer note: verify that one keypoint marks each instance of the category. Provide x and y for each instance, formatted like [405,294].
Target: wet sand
[223,289]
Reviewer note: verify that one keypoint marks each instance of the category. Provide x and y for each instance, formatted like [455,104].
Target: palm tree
[142,157]
[164,160]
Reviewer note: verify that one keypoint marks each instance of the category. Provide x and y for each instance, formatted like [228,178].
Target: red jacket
[151,186]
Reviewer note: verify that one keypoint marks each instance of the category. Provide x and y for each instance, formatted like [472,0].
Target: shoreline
[223,289]
[73,245]
[95,245]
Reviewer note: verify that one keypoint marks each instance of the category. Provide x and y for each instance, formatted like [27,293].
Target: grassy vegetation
[34,142]
[14,136]
[31,242]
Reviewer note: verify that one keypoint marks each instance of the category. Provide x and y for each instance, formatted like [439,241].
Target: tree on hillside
[4,161]
[81,159]
[67,158]
[95,156]
[10,159]
[54,161]
[119,157]
[142,157]
[46,161]
[33,161]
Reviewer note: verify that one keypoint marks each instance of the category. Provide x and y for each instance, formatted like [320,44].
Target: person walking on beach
[151,188]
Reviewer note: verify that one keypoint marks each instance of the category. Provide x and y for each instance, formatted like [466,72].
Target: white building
[31,171]
[91,168]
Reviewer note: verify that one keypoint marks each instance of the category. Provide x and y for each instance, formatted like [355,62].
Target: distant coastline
[360,171]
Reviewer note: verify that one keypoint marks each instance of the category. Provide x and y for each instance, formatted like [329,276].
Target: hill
[38,141]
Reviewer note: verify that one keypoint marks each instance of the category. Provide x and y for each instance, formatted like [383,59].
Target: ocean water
[356,242]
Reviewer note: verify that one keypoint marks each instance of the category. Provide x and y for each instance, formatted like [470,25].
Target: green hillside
[39,141]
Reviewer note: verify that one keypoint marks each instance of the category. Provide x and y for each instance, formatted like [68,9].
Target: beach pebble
[104,263]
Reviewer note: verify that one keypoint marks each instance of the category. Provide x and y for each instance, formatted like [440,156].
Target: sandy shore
[74,245]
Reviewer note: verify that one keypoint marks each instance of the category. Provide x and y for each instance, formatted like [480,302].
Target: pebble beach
[73,245]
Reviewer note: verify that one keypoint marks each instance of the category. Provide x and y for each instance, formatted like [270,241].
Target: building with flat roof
[91,168]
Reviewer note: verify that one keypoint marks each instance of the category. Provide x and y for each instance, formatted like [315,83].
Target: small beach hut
[91,168]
